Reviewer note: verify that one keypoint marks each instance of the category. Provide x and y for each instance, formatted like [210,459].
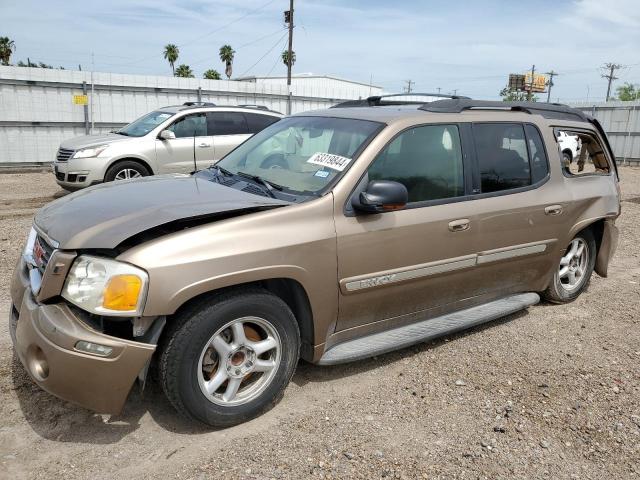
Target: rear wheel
[126,170]
[231,359]
[567,157]
[572,275]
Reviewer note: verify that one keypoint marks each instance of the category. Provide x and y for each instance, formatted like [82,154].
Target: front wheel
[125,170]
[573,272]
[230,360]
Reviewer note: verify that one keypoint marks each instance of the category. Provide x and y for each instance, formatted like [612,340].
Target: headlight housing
[90,152]
[106,287]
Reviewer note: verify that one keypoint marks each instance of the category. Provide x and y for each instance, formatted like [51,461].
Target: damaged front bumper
[46,337]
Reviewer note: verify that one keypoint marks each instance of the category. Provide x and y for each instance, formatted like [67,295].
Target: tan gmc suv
[330,236]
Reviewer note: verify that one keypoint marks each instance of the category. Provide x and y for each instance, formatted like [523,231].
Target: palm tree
[171,53]
[7,47]
[285,57]
[226,55]
[184,71]
[211,74]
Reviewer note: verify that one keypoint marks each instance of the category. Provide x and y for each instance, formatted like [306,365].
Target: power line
[267,53]
[611,67]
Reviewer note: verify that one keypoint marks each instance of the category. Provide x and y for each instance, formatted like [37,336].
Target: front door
[192,146]
[229,129]
[401,262]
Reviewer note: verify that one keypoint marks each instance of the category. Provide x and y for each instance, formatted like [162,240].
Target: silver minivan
[176,139]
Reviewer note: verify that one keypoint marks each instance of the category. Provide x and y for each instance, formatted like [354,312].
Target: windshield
[143,125]
[301,154]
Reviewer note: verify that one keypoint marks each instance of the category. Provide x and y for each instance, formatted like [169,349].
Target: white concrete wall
[321,86]
[44,96]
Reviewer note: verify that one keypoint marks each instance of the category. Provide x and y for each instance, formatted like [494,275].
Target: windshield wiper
[222,170]
[121,133]
[265,183]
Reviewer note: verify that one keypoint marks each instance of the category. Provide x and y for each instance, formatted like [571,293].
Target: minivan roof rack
[380,100]
[199,104]
[248,105]
[547,110]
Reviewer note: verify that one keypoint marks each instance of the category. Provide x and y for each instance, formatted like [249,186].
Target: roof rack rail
[249,105]
[547,110]
[199,104]
[379,100]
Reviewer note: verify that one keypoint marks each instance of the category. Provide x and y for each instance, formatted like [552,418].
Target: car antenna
[195,164]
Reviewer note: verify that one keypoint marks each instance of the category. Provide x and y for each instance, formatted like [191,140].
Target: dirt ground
[553,392]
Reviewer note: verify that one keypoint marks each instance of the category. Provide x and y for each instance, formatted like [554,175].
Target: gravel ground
[553,392]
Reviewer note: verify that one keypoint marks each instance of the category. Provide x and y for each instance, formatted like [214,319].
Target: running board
[408,335]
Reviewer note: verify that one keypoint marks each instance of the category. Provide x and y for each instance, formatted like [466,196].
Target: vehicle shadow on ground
[61,421]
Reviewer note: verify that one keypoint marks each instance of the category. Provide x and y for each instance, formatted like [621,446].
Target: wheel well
[288,290]
[132,159]
[597,228]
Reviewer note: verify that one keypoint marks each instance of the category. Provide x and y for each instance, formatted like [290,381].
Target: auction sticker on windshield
[329,160]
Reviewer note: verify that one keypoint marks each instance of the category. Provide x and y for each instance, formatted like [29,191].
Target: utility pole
[530,92]
[612,67]
[288,18]
[551,75]
[439,90]
[408,88]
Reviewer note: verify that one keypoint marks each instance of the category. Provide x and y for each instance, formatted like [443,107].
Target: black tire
[567,157]
[117,167]
[189,333]
[557,292]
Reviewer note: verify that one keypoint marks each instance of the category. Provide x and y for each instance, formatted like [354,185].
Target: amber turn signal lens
[122,292]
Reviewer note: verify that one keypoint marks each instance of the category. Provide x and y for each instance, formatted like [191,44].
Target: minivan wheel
[126,170]
[229,360]
[567,157]
[574,269]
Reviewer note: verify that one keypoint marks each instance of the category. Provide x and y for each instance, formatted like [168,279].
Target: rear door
[192,146]
[517,210]
[229,129]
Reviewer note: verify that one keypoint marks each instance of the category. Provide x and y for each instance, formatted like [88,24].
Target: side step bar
[408,335]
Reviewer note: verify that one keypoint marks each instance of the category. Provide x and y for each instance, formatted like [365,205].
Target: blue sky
[467,46]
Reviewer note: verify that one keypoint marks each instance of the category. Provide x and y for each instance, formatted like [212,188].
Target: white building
[312,85]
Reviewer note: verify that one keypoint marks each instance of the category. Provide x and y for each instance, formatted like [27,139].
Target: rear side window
[257,122]
[537,154]
[427,160]
[582,154]
[502,156]
[227,123]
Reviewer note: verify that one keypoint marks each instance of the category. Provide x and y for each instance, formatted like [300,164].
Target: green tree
[184,71]
[7,47]
[512,95]
[226,55]
[211,74]
[34,64]
[285,57]
[628,92]
[171,53]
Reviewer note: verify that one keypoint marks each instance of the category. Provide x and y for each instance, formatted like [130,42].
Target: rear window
[509,156]
[227,123]
[257,121]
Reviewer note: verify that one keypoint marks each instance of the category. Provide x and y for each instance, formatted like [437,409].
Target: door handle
[553,210]
[204,145]
[459,225]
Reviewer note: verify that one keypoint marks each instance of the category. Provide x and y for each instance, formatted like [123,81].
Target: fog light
[94,348]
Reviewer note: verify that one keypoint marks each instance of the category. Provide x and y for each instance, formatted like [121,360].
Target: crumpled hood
[76,143]
[105,215]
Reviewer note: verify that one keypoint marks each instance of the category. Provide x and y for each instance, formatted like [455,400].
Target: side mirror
[381,196]
[167,135]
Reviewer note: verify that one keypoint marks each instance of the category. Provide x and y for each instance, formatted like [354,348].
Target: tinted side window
[227,123]
[503,162]
[190,125]
[427,160]
[257,122]
[537,155]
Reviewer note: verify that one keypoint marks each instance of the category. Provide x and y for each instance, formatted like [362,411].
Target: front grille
[45,256]
[64,154]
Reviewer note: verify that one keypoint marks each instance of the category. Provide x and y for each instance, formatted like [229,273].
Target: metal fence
[621,121]
[37,110]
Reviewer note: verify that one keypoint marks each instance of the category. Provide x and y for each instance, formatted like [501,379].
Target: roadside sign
[80,99]
[539,83]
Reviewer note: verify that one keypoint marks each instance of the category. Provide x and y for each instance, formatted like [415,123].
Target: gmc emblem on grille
[38,254]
